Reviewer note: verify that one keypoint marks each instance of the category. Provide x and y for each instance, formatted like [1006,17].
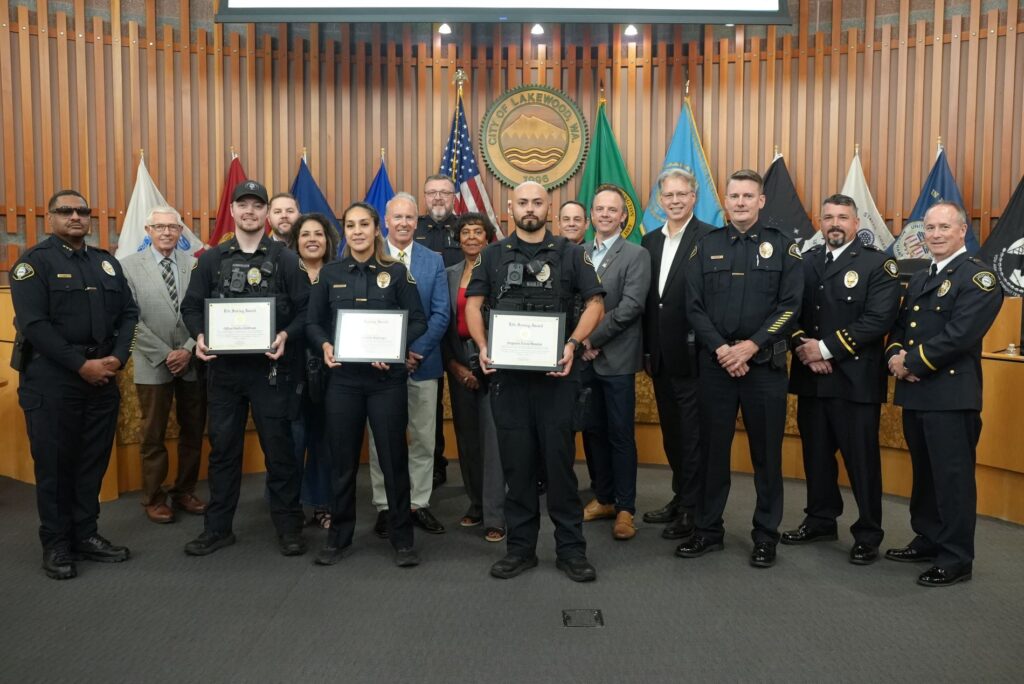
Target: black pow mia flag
[782,208]
[1004,248]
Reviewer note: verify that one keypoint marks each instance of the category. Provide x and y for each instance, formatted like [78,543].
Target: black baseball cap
[249,188]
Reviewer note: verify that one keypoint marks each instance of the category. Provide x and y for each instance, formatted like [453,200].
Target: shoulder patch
[985,280]
[587,259]
[794,251]
[892,268]
[23,271]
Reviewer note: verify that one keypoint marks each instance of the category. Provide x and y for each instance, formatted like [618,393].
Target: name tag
[340,285]
[717,256]
[65,275]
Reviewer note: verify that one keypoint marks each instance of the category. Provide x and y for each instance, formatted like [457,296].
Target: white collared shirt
[407,252]
[668,253]
[836,253]
[939,265]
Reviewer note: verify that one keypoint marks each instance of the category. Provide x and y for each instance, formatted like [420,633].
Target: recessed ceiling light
[630,30]
[537,30]
[444,29]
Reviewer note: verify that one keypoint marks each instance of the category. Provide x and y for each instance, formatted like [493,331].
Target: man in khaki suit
[164,369]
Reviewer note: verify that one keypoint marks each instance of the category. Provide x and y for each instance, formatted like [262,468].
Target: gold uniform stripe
[924,358]
[894,344]
[843,342]
[780,322]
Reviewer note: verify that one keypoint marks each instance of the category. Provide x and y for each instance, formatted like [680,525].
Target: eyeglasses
[676,195]
[68,211]
[438,193]
[165,227]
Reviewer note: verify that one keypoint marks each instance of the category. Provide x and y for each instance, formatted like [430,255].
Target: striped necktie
[402,257]
[166,266]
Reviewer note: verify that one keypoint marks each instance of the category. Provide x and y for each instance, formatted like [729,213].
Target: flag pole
[460,78]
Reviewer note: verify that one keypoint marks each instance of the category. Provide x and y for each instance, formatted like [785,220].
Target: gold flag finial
[142,154]
[939,143]
[686,92]
[776,150]
[234,155]
[856,149]
[382,154]
[460,78]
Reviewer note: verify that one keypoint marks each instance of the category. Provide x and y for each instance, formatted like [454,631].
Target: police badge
[108,268]
[850,279]
[543,274]
[254,277]
[944,288]
[766,250]
[383,279]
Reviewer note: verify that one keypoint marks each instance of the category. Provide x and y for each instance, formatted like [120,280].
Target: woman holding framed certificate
[363,312]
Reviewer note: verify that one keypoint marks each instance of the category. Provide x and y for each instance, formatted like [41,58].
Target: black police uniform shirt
[369,285]
[288,284]
[72,306]
[440,237]
[941,323]
[743,286]
[849,304]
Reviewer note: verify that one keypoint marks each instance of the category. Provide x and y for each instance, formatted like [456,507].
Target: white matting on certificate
[364,336]
[240,326]
[519,340]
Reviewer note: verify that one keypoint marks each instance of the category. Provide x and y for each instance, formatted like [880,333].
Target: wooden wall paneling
[786,94]
[300,144]
[45,85]
[1009,114]
[357,163]
[435,121]
[735,67]
[207,210]
[917,106]
[394,98]
[587,83]
[185,203]
[967,147]
[678,71]
[717,161]
[866,105]
[815,172]
[117,104]
[988,128]
[753,147]
[726,113]
[135,103]
[541,61]
[557,56]
[852,95]
[169,150]
[935,112]
[496,187]
[233,116]
[900,150]
[448,93]
[283,126]
[266,93]
[330,123]
[343,98]
[664,112]
[835,151]
[154,155]
[251,147]
[7,106]
[770,66]
[953,94]
[376,136]
[799,153]
[27,133]
[881,193]
[315,142]
[83,101]
[220,144]
[99,92]
[422,70]
[626,135]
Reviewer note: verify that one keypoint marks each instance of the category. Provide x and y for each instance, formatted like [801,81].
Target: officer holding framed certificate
[366,300]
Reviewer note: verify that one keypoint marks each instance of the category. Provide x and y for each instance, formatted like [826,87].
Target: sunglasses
[68,211]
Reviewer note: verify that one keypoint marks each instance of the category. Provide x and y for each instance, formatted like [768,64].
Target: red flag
[224,229]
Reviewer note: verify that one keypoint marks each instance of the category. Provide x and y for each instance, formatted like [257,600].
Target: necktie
[932,271]
[402,257]
[166,265]
[828,259]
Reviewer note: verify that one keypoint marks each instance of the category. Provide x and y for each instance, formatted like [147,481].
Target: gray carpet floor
[247,614]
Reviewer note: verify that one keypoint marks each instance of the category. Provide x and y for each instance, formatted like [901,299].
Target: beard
[835,239]
[531,224]
[439,213]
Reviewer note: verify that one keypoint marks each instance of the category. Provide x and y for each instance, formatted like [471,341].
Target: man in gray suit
[164,370]
[615,352]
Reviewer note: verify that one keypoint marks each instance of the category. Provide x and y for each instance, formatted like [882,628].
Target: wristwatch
[574,342]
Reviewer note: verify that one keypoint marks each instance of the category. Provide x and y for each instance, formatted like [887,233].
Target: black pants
[944,498]
[71,427]
[610,440]
[235,384]
[356,395]
[676,398]
[533,415]
[827,424]
[761,394]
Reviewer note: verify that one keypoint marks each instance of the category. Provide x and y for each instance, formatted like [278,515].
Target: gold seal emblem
[766,250]
[533,133]
[985,280]
[108,268]
[944,288]
[383,279]
[253,276]
[850,279]
[544,273]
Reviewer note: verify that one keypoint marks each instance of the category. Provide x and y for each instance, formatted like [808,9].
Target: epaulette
[869,247]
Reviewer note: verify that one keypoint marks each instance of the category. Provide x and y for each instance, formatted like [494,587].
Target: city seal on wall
[534,133]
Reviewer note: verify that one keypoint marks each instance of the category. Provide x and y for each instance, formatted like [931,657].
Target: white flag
[873,230]
[145,196]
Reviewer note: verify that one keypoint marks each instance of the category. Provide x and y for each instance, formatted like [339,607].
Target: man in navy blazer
[423,363]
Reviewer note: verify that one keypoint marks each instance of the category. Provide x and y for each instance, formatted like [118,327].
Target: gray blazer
[626,276]
[160,329]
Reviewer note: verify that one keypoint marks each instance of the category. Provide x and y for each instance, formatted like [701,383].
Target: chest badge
[253,276]
[383,279]
[850,279]
[944,288]
[766,250]
[544,273]
[108,268]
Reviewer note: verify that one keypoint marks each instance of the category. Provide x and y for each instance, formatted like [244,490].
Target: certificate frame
[550,325]
[257,341]
[349,348]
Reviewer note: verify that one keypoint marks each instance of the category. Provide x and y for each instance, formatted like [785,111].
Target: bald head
[529,206]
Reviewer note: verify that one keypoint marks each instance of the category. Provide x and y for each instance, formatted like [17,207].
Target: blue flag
[938,187]
[686,152]
[308,196]
[380,193]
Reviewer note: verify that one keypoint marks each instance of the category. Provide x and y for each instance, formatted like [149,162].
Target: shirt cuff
[825,353]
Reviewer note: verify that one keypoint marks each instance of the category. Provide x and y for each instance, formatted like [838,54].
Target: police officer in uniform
[366,277]
[533,411]
[76,320]
[744,287]
[251,265]
[935,354]
[851,295]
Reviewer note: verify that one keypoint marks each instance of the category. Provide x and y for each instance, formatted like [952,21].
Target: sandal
[470,520]
[321,518]
[495,534]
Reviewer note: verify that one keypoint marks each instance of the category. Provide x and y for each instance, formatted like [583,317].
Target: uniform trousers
[943,501]
[479,460]
[533,415]
[309,432]
[356,396]
[71,426]
[827,424]
[610,438]
[234,385]
[761,395]
[422,407]
[189,400]
[676,397]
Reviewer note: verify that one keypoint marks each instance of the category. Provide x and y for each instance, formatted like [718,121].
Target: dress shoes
[763,555]
[159,513]
[511,566]
[98,549]
[697,547]
[863,554]
[908,554]
[291,544]
[382,528]
[406,557]
[58,562]
[208,542]
[624,528]
[938,577]
[425,520]
[190,503]
[805,535]
[665,514]
[595,510]
[680,528]
[578,569]
[329,554]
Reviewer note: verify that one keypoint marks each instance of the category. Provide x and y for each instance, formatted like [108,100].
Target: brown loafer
[624,528]
[159,513]
[595,510]
[190,503]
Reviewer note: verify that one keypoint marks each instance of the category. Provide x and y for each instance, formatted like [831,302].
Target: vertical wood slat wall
[80,99]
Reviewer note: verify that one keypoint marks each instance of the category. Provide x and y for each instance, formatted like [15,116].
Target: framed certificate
[240,326]
[519,340]
[365,335]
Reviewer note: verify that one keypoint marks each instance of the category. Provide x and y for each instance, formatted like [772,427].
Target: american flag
[459,163]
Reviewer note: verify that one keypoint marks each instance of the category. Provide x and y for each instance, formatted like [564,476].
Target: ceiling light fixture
[537,30]
[444,29]
[630,30]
